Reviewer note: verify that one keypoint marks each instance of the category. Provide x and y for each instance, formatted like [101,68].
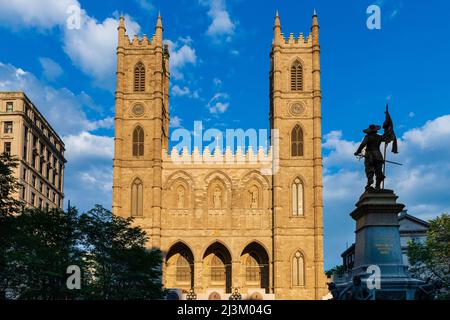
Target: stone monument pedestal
[378,244]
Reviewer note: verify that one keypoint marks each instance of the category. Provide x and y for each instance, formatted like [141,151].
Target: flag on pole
[389,133]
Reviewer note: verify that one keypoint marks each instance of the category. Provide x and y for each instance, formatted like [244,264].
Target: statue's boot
[379,181]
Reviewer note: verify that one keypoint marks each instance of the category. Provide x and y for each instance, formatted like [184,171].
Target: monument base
[378,256]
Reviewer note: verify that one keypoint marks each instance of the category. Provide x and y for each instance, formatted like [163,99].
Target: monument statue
[355,291]
[377,250]
[374,162]
[373,159]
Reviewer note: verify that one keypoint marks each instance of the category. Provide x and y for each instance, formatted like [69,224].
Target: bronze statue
[375,163]
[355,291]
[373,159]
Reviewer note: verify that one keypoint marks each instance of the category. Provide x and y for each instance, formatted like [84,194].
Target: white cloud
[61,107]
[419,183]
[88,146]
[219,107]
[221,24]
[175,122]
[93,47]
[177,91]
[40,14]
[219,103]
[145,4]
[181,54]
[51,69]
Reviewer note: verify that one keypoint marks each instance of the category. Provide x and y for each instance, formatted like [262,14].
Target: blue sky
[220,64]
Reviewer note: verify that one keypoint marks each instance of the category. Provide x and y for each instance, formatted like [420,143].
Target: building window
[33,199]
[25,144]
[253,270]
[297,76]
[22,195]
[297,141]
[184,269]
[60,176]
[139,77]
[138,142]
[298,270]
[24,174]
[136,198]
[8,127]
[9,107]
[297,197]
[40,203]
[217,269]
[7,148]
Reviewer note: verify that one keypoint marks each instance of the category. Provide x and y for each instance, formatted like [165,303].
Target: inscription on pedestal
[384,245]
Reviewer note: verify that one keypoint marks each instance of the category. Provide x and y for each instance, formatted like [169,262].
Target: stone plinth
[378,244]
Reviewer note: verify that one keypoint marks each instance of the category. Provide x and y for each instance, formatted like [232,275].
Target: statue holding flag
[374,162]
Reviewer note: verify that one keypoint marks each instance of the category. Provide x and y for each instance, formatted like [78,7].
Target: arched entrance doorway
[180,267]
[255,266]
[217,264]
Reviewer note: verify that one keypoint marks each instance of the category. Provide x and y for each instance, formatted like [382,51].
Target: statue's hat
[373,128]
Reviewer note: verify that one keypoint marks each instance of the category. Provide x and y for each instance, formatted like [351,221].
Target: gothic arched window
[297,142]
[298,270]
[297,197]
[183,270]
[138,142]
[137,198]
[297,76]
[139,77]
[253,270]
[217,269]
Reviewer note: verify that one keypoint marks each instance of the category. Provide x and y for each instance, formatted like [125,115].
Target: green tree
[42,244]
[431,259]
[8,186]
[118,265]
[9,206]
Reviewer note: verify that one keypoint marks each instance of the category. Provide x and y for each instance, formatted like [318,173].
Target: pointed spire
[159,21]
[159,29]
[315,20]
[277,21]
[315,28]
[121,22]
[121,31]
[277,29]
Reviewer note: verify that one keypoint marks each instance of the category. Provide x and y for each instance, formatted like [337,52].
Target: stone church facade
[251,221]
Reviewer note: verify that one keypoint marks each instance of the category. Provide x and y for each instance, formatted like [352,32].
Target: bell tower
[142,124]
[295,111]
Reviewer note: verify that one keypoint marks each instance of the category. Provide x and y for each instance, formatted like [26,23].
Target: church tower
[295,112]
[141,122]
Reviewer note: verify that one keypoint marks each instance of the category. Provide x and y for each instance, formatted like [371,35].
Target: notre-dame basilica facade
[223,225]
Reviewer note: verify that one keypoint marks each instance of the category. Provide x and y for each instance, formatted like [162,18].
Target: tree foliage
[37,247]
[431,260]
[8,186]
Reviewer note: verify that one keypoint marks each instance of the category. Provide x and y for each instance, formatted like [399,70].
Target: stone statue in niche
[180,197]
[217,198]
[254,198]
